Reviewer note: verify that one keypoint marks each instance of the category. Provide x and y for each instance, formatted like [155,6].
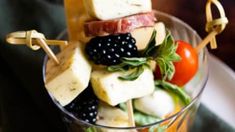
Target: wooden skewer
[19,38]
[205,41]
[35,40]
[130,113]
[47,49]
[214,27]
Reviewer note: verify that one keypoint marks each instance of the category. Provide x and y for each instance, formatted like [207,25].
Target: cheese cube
[111,9]
[113,91]
[68,79]
[142,41]
[112,117]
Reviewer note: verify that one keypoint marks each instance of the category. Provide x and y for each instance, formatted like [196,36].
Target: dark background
[193,13]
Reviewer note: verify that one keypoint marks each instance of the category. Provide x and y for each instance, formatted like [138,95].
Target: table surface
[193,13]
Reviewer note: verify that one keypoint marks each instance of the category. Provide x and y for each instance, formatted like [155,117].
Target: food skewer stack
[118,53]
[111,19]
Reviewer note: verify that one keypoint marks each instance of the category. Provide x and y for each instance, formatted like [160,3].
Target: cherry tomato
[187,67]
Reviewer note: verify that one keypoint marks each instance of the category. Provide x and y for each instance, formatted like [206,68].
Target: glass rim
[182,110]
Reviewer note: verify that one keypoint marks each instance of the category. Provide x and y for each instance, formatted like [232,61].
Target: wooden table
[193,13]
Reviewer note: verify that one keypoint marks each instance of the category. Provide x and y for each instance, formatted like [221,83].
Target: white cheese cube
[113,91]
[68,79]
[111,9]
[112,117]
[143,35]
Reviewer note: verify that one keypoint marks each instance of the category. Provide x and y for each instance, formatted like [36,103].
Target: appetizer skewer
[68,73]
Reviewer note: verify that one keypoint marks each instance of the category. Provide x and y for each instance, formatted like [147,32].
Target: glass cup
[182,120]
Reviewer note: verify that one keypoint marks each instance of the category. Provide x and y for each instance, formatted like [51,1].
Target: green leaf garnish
[144,119]
[162,128]
[158,128]
[133,66]
[133,75]
[91,129]
[123,106]
[140,117]
[174,89]
[165,56]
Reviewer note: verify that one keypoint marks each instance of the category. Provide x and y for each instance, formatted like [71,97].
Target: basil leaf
[91,129]
[144,119]
[166,55]
[152,129]
[136,65]
[174,57]
[133,75]
[170,70]
[158,128]
[134,61]
[162,128]
[123,106]
[115,68]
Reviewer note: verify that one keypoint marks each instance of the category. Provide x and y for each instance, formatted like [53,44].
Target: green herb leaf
[133,75]
[115,68]
[174,89]
[134,62]
[164,54]
[152,129]
[123,106]
[91,129]
[144,119]
[158,128]
[162,128]
[133,66]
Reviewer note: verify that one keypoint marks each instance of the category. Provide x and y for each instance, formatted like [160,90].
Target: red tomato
[187,67]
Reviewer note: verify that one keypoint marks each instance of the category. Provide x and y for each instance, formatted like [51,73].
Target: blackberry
[85,106]
[109,50]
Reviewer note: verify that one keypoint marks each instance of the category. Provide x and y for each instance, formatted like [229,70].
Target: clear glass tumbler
[180,121]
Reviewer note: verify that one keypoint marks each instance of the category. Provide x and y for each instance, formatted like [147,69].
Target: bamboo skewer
[48,51]
[205,41]
[130,113]
[23,37]
[35,41]
[213,27]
